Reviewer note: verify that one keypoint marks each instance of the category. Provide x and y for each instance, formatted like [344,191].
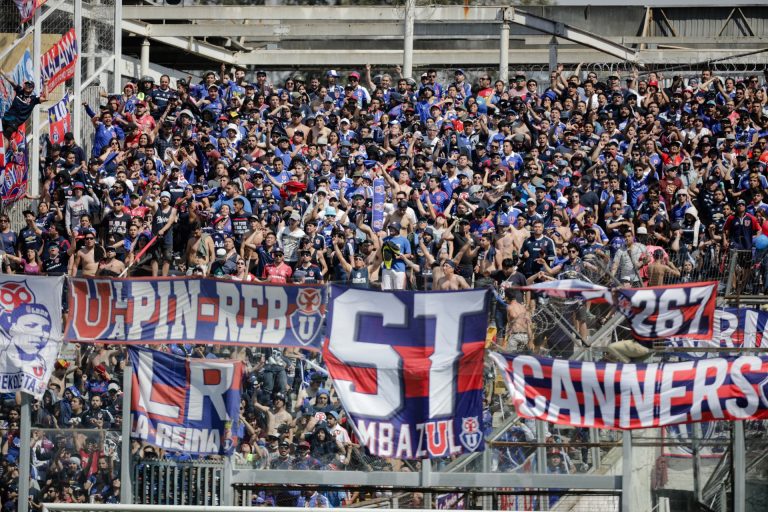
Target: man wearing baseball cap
[360,93]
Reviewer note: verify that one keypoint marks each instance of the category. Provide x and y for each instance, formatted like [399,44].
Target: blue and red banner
[27,9]
[13,168]
[657,312]
[187,405]
[408,369]
[58,63]
[379,196]
[630,396]
[59,120]
[669,311]
[194,310]
[733,328]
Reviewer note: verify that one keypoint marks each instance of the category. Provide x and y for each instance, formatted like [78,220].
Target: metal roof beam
[490,57]
[571,33]
[188,44]
[285,12]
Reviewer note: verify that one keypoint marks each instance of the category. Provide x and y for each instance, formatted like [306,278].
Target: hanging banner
[669,311]
[6,95]
[192,310]
[58,63]
[572,288]
[13,177]
[630,396]
[408,369]
[188,405]
[379,196]
[733,328]
[656,312]
[30,329]
[27,9]
[24,70]
[59,120]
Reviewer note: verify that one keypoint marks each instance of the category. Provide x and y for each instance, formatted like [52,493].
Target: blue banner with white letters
[194,310]
[408,369]
[186,405]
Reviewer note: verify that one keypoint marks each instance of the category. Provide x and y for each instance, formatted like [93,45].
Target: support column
[34,148]
[77,110]
[426,482]
[25,452]
[117,70]
[126,478]
[552,54]
[410,15]
[504,46]
[145,57]
[695,444]
[626,474]
[739,468]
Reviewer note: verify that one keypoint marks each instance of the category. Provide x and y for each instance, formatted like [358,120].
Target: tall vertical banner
[630,396]
[30,332]
[27,8]
[13,171]
[58,63]
[59,120]
[379,195]
[408,369]
[188,405]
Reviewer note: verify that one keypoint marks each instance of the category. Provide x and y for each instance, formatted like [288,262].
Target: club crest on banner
[307,320]
[471,436]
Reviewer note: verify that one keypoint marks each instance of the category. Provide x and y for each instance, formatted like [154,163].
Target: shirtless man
[86,259]
[511,241]
[451,280]
[404,215]
[519,335]
[110,265]
[200,250]
[658,270]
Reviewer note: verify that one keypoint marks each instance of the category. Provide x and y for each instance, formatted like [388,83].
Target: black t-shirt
[55,266]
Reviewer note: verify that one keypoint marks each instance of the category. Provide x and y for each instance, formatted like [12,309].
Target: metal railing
[178,483]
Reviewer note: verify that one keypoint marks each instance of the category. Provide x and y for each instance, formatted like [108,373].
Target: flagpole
[33,149]
[25,452]
[77,110]
[126,491]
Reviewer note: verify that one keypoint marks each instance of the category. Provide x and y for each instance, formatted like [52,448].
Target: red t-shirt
[277,273]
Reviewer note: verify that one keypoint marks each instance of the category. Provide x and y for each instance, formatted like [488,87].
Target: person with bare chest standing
[86,259]
[451,280]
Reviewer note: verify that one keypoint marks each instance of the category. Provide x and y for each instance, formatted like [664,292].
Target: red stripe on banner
[471,367]
[416,366]
[365,379]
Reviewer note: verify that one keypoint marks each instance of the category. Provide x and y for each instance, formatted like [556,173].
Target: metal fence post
[126,478]
[626,476]
[226,483]
[739,468]
[25,452]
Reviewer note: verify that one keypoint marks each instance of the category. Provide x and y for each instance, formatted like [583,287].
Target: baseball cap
[165,193]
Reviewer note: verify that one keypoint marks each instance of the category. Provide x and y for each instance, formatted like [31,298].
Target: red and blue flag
[186,405]
[408,368]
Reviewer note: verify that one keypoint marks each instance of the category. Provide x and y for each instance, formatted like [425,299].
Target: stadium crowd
[476,182]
